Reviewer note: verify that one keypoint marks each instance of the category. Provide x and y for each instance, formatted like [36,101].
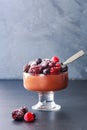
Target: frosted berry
[46,71]
[51,64]
[44,64]
[55,59]
[35,69]
[54,70]
[38,61]
[17,115]
[29,117]
[26,68]
[64,68]
[24,109]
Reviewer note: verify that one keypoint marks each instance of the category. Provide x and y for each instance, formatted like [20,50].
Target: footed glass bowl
[45,86]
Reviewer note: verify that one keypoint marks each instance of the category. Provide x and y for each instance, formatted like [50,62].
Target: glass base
[46,102]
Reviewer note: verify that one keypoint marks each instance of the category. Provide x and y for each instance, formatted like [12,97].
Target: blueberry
[38,61]
[64,68]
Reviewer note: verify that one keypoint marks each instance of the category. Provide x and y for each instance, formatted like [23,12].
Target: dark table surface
[72,116]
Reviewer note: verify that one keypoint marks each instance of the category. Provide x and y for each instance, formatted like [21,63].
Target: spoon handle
[74,57]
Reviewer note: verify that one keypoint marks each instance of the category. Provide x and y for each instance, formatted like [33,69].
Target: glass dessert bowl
[45,77]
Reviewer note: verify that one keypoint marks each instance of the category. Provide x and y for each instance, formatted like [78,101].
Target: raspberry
[55,59]
[29,117]
[17,115]
[58,65]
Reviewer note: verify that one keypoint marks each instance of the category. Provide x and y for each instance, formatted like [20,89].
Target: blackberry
[17,115]
[35,69]
[64,68]
[26,68]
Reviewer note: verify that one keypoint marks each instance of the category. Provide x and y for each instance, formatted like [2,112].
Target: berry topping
[55,59]
[51,64]
[33,63]
[46,71]
[26,68]
[29,117]
[54,70]
[58,65]
[64,68]
[38,61]
[17,115]
[35,69]
[45,66]
[24,109]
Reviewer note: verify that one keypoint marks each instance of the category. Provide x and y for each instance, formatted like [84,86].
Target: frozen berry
[46,71]
[58,65]
[24,109]
[51,64]
[44,64]
[17,115]
[64,68]
[33,63]
[38,61]
[29,117]
[35,69]
[55,59]
[54,70]
[26,68]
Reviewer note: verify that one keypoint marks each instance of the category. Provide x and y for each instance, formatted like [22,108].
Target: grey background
[42,28]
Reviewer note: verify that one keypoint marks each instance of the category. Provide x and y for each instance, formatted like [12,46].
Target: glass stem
[46,97]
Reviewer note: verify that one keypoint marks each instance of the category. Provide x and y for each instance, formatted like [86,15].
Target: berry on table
[24,109]
[17,115]
[29,117]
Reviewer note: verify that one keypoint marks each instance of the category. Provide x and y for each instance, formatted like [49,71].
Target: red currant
[55,59]
[29,117]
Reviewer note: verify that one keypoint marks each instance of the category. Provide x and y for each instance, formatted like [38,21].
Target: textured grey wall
[42,28]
